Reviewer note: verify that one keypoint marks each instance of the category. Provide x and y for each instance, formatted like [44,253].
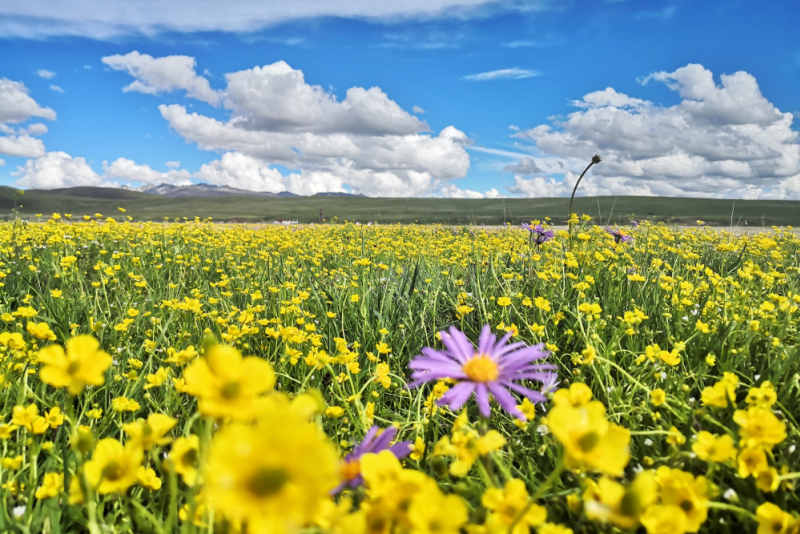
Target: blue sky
[503,86]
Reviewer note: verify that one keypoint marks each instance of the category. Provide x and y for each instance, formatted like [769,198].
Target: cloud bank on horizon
[266,128]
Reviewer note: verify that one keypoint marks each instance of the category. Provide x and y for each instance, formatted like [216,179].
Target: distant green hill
[80,201]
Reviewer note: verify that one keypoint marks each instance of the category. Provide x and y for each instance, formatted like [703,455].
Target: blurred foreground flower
[374,442]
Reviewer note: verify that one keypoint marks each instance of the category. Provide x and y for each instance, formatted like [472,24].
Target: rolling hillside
[81,201]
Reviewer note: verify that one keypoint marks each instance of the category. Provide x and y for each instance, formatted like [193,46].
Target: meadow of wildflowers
[192,377]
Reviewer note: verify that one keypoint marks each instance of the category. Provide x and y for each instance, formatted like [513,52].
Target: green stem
[732,508]
[552,477]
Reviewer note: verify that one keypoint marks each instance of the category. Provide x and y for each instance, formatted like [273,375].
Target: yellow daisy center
[351,469]
[481,368]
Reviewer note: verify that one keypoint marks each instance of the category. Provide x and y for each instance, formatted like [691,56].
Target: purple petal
[486,339]
[482,393]
[364,446]
[505,400]
[534,396]
[456,396]
[383,440]
[401,449]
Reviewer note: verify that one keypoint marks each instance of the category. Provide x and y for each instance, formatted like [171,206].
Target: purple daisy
[538,234]
[619,237]
[373,443]
[492,368]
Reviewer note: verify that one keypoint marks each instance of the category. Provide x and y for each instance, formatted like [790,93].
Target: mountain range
[208,190]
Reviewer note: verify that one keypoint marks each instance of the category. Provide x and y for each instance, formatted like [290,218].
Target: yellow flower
[272,475]
[768,480]
[156,379]
[353,298]
[702,327]
[418,449]
[752,461]
[181,357]
[432,512]
[542,303]
[675,437]
[504,301]
[185,457]
[759,427]
[113,468]
[718,395]
[578,394]
[12,341]
[12,463]
[553,528]
[56,293]
[528,409]
[590,441]
[83,364]
[334,412]
[658,397]
[55,418]
[7,430]
[589,354]
[664,519]
[382,377]
[148,479]
[228,385]
[41,331]
[609,501]
[684,492]
[467,446]
[151,432]
[762,397]
[506,504]
[122,404]
[51,486]
[773,520]
[711,448]
[25,416]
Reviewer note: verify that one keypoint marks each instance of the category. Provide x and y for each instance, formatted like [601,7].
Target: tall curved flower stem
[595,159]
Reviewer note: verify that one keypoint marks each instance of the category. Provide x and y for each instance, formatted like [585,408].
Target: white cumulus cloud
[721,140]
[56,170]
[56,88]
[366,142]
[165,74]
[129,171]
[46,74]
[16,105]
[23,146]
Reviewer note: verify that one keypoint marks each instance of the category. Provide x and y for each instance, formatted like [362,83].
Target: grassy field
[88,201]
[199,378]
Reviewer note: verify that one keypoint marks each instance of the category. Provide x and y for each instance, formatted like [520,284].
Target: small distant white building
[284,222]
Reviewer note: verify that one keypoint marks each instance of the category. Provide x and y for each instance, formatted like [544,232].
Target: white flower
[18,511]
[730,495]
[648,442]
[543,430]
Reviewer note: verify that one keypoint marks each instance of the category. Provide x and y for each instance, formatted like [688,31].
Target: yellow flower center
[589,441]
[112,471]
[230,390]
[481,368]
[189,458]
[351,469]
[73,367]
[267,481]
